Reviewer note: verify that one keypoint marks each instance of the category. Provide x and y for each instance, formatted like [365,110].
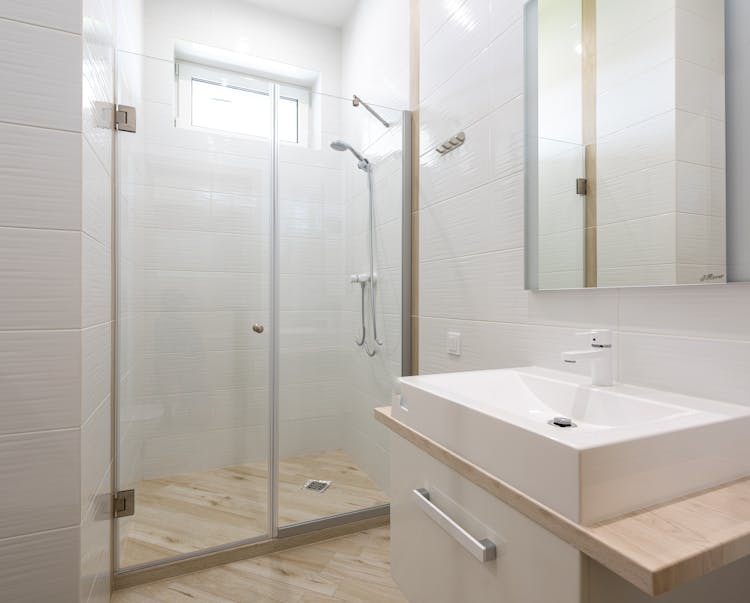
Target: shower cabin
[262,281]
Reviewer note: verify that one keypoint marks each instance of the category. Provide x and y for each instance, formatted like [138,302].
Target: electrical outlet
[454,343]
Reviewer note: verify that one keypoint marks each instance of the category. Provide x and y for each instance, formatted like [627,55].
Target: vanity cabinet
[434,552]
[429,562]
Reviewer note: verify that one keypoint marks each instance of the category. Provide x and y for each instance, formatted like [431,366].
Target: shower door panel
[193,338]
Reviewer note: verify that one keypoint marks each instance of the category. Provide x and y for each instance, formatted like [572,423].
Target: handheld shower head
[340,145]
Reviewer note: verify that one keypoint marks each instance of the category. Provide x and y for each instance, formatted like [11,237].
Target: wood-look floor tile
[189,512]
[353,568]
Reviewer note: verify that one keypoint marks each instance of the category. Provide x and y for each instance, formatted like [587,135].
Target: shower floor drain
[316,485]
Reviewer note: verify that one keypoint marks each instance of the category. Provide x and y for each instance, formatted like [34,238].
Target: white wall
[55,330]
[693,340]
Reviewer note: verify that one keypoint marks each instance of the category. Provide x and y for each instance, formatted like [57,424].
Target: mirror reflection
[625,143]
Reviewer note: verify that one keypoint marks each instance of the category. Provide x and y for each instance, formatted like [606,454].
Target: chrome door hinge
[581,186]
[125,118]
[124,503]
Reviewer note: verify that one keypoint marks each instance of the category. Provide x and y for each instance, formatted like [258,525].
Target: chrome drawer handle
[483,550]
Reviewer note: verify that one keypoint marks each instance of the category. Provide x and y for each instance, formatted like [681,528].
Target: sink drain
[562,422]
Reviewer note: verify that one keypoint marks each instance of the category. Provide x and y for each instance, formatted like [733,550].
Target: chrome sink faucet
[600,356]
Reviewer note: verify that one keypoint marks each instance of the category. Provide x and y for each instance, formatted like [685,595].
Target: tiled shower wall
[55,311]
[694,340]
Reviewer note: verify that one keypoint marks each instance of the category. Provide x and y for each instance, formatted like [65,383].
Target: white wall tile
[96,367]
[53,459]
[96,282]
[40,567]
[40,276]
[463,36]
[58,14]
[712,368]
[40,171]
[39,380]
[95,453]
[41,71]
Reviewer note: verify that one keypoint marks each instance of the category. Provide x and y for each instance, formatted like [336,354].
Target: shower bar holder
[356,101]
[451,144]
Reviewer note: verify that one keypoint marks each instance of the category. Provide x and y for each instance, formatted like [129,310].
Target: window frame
[187,71]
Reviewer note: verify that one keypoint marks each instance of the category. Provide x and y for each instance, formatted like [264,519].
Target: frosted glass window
[230,109]
[231,102]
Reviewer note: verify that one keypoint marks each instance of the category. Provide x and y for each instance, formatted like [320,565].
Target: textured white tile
[489,218]
[652,275]
[443,176]
[507,63]
[647,192]
[694,184]
[711,368]
[638,147]
[502,14]
[463,36]
[53,459]
[96,543]
[96,367]
[700,40]
[507,139]
[58,14]
[624,53]
[633,101]
[97,198]
[40,277]
[39,380]
[41,567]
[41,73]
[700,90]
[457,104]
[41,175]
[712,311]
[96,283]
[448,288]
[167,455]
[98,78]
[95,453]
[636,243]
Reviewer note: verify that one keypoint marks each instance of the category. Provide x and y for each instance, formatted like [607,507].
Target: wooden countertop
[656,549]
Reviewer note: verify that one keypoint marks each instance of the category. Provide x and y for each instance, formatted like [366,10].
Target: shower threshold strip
[291,536]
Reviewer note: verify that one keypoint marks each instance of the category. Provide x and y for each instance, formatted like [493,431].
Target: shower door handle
[258,328]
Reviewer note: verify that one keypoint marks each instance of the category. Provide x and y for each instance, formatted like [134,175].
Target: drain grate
[316,485]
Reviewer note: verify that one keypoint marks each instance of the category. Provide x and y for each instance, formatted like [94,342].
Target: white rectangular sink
[628,448]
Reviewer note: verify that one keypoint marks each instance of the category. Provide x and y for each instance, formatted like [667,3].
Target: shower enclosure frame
[274,538]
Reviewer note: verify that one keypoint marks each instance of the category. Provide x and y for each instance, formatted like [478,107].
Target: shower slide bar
[361,341]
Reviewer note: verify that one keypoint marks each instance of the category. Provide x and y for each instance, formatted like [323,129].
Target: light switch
[454,343]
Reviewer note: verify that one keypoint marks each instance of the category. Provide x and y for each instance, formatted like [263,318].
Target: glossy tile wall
[55,282]
[694,340]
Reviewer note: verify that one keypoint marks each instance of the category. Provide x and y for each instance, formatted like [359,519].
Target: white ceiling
[327,12]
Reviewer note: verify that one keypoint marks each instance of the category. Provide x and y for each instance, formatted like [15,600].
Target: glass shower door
[332,455]
[193,339]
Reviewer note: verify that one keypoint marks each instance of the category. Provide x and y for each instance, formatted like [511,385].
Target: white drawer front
[436,549]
